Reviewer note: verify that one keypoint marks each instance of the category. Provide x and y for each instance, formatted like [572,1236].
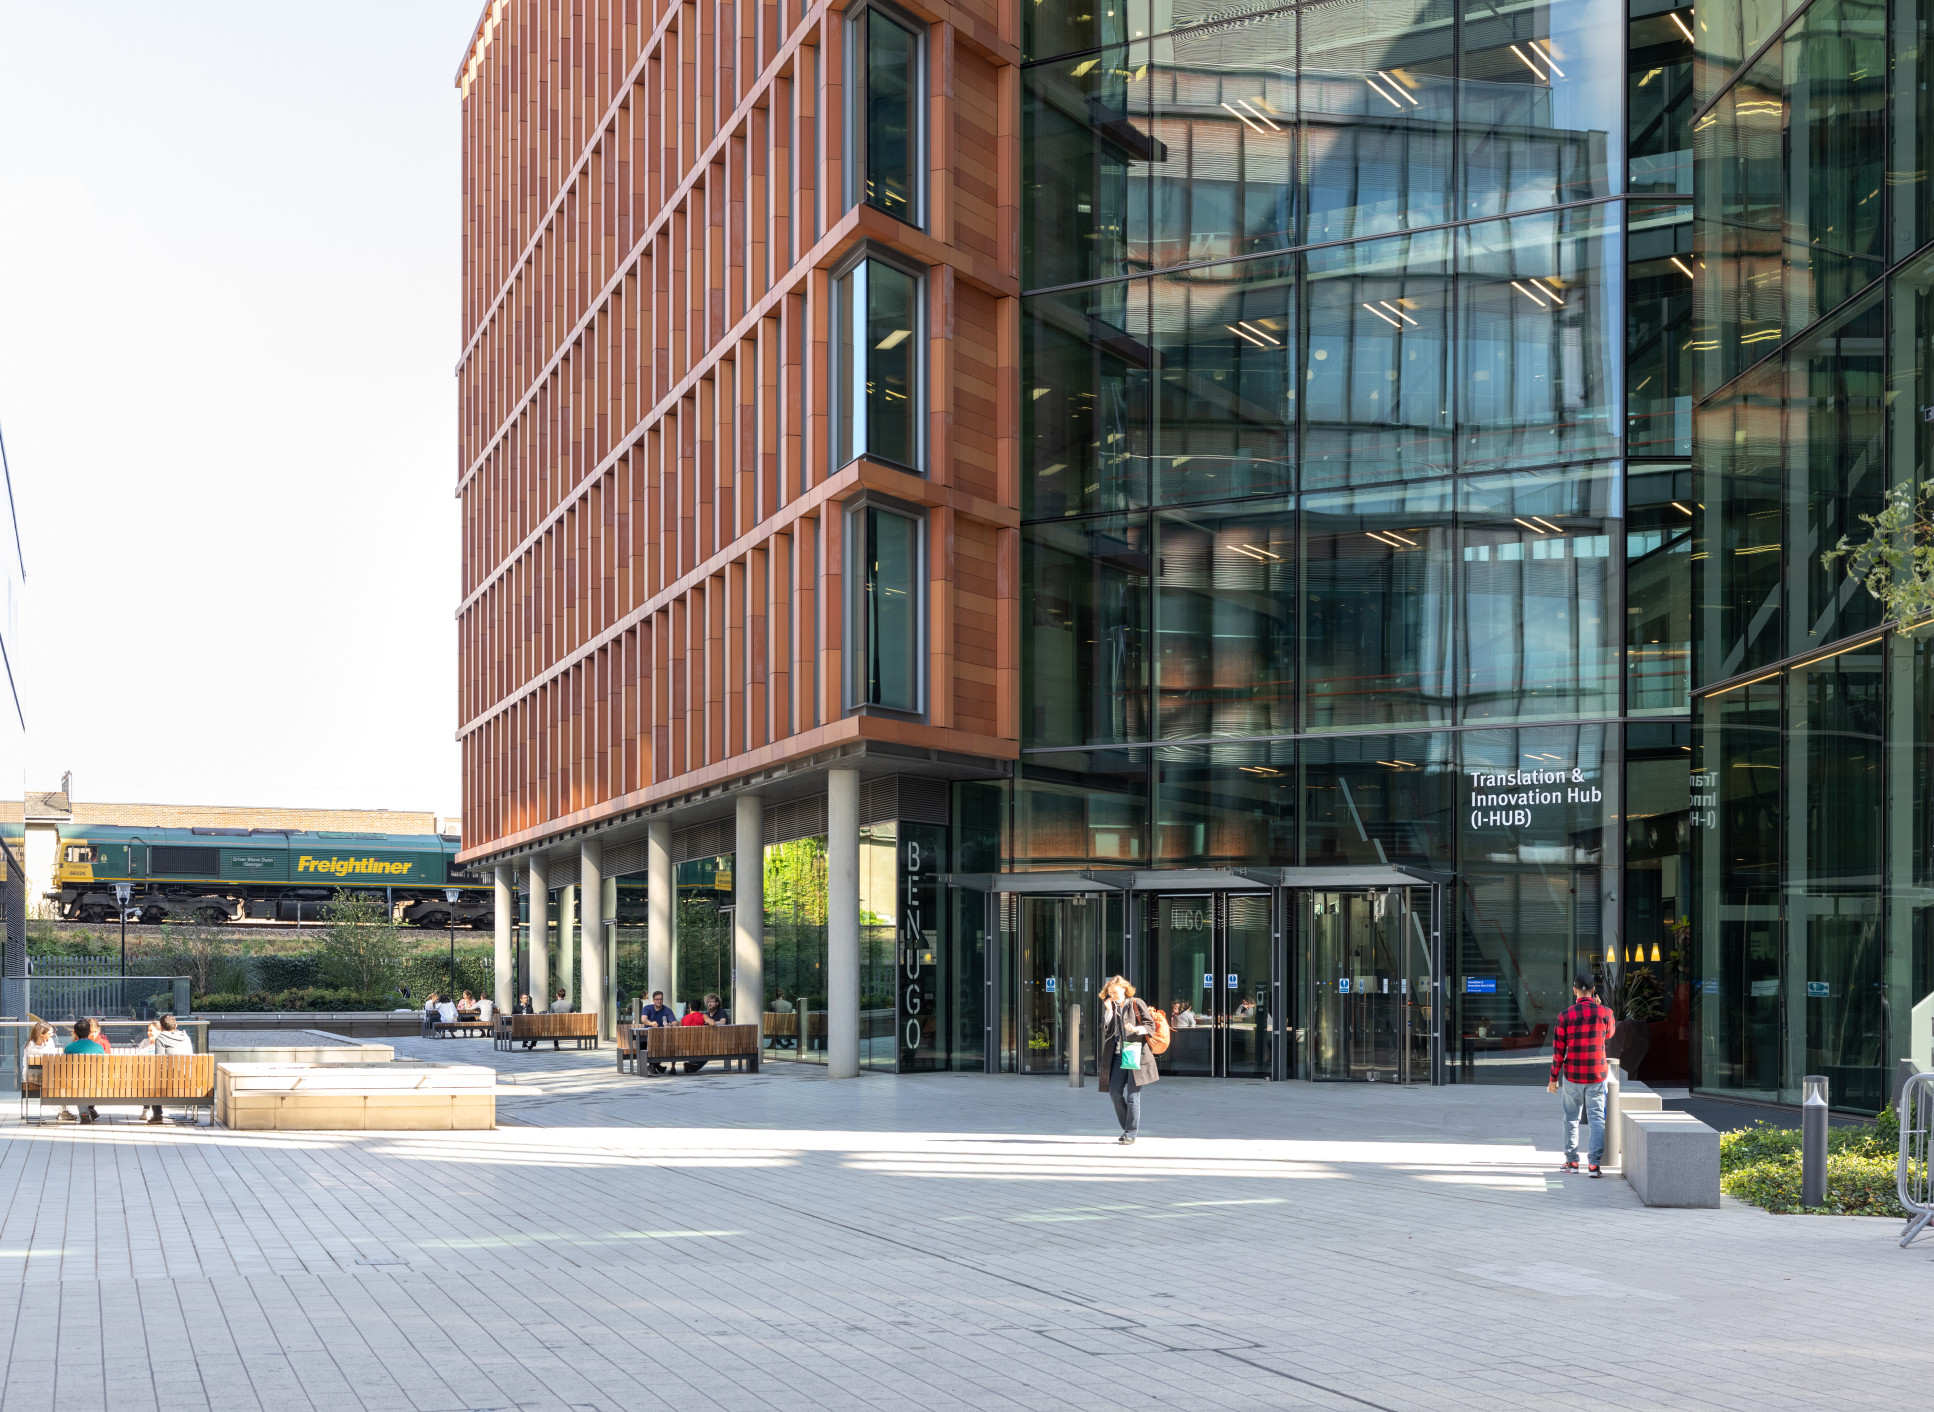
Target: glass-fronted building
[1812,838]
[1355,620]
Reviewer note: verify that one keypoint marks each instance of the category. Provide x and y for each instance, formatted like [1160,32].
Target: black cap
[1584,980]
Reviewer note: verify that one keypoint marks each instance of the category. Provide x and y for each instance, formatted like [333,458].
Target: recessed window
[886,129]
[886,637]
[879,364]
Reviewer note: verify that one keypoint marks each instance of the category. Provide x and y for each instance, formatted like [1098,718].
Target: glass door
[1369,962]
[1206,961]
[1056,968]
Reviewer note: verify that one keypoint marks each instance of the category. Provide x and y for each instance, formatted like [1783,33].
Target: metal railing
[1911,1171]
[63,999]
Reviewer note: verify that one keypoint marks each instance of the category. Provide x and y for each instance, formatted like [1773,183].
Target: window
[878,365]
[81,853]
[885,157]
[886,636]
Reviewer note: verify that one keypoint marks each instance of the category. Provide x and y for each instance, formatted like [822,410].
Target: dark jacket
[522,1010]
[1130,1024]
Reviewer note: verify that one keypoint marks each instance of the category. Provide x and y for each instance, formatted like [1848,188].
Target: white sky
[228,324]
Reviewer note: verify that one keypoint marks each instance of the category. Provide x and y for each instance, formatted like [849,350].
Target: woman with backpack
[1124,1054]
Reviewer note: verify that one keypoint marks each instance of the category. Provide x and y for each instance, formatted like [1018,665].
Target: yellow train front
[215,875]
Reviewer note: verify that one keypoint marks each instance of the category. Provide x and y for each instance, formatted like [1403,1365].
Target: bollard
[1813,1141]
[1074,1045]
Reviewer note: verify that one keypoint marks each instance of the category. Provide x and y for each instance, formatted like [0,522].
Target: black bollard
[1813,1141]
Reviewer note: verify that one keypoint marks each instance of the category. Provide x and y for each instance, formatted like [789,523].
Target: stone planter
[392,1097]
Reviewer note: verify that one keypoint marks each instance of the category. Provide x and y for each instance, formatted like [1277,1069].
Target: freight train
[230,874]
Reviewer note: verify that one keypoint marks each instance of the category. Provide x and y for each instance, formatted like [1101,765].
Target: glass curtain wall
[1808,942]
[1356,406]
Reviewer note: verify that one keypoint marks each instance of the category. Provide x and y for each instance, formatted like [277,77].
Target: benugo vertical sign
[918,970]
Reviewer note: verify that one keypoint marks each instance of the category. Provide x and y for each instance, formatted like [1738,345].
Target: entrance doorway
[1057,969]
[1205,958]
[1369,984]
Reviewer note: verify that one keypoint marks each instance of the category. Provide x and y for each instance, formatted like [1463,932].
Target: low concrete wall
[1671,1159]
[387,1097]
[295,1052]
[366,1024]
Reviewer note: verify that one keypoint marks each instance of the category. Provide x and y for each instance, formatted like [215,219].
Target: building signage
[1767,987]
[1480,985]
[1818,990]
[1232,980]
[1343,985]
[1521,799]
[1703,802]
[920,848]
[1208,980]
[1050,985]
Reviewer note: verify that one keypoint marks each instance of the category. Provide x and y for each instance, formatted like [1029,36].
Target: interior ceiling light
[1683,266]
[1385,317]
[1530,294]
[1682,29]
[1246,336]
[1261,333]
[1241,118]
[1261,116]
[1527,62]
[1528,525]
[1398,84]
[1549,55]
[1381,94]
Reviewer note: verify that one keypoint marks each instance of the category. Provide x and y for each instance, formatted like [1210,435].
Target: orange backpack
[1158,1037]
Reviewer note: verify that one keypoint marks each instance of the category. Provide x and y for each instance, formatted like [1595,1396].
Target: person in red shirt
[1578,1067]
[713,1014]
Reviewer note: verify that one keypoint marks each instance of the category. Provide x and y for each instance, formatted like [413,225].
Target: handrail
[1911,1177]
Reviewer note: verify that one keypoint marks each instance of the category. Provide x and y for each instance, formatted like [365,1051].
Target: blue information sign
[1480,985]
[1818,990]
[1343,985]
[1050,983]
[1208,980]
[1232,980]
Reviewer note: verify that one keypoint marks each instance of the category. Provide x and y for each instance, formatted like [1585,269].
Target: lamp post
[122,893]
[450,895]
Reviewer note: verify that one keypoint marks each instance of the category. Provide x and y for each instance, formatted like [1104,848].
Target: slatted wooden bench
[724,1042]
[785,1026]
[459,1029]
[578,1026]
[169,1080]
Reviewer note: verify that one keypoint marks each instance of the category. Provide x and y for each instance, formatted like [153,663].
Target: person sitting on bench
[713,1014]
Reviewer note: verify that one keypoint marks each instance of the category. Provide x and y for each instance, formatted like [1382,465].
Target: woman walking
[1124,1057]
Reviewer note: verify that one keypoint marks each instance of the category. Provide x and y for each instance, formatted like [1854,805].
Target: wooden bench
[169,1080]
[457,1029]
[688,1042]
[785,1027]
[579,1026]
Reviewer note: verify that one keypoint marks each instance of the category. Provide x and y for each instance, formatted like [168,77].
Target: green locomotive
[228,874]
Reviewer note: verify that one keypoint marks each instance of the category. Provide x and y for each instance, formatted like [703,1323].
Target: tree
[1896,562]
[362,949]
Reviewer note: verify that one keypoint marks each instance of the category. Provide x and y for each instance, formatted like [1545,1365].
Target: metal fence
[1910,1173]
[64,999]
[73,966]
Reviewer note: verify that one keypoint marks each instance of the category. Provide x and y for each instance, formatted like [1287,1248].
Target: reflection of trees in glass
[795,908]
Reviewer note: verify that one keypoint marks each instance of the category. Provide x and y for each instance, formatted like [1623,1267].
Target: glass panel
[1081,809]
[702,934]
[891,354]
[1376,104]
[1179,973]
[1224,337]
[1357,999]
[1728,33]
[1168,152]
[1658,327]
[1535,809]
[1739,306]
[1379,800]
[1910,189]
[1248,1014]
[879,928]
[1736,849]
[1659,103]
[1910,372]
[795,949]
[1835,62]
[1376,381]
[1225,623]
[1376,606]
[1058,970]
[1737,559]
[1225,806]
[1537,318]
[1537,610]
[892,620]
[1540,89]
[1835,386]
[1085,430]
[891,165]
[1836,972]
[1084,607]
[1651,991]
[1658,590]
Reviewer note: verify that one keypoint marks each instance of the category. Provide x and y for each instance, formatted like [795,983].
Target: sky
[228,334]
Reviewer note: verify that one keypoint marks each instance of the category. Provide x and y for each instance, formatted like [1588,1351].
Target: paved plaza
[782,1241]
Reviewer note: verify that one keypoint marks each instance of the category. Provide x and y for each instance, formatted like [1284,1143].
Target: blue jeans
[1591,1099]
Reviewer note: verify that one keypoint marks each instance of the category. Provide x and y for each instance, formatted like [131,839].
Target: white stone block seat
[1671,1158]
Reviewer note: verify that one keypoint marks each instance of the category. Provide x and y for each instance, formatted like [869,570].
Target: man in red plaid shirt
[1578,1067]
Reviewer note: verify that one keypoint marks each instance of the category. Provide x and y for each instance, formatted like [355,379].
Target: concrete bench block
[387,1097]
[1671,1159]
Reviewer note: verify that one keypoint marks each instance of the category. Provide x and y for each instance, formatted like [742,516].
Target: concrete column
[842,924]
[749,913]
[540,933]
[608,939]
[567,926]
[591,992]
[504,909]
[661,883]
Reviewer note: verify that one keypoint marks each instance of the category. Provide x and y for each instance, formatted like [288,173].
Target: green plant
[1896,562]
[1761,1165]
[361,948]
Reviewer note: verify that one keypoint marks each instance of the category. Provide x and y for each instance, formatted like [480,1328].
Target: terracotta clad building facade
[738,435]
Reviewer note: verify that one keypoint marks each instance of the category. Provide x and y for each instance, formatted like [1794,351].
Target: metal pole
[450,926]
[124,940]
[1074,1045]
[1813,1141]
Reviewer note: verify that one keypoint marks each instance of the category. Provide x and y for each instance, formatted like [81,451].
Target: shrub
[306,998]
[1762,1165]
